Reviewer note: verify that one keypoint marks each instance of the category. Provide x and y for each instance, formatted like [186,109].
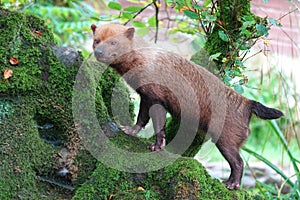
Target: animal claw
[154,147]
[231,185]
[128,130]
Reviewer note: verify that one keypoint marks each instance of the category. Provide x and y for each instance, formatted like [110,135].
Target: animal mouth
[103,60]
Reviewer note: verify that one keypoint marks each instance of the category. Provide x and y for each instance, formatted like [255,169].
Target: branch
[156,20]
[291,11]
[138,13]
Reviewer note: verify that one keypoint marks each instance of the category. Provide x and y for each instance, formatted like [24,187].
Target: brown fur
[170,81]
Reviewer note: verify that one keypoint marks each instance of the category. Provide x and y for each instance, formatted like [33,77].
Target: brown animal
[167,82]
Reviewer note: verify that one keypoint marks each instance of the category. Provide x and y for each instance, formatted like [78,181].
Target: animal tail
[264,112]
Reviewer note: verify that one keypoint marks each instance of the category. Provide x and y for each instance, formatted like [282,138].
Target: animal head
[111,41]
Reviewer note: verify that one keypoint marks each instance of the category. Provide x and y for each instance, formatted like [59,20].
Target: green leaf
[239,63]
[139,24]
[211,18]
[214,56]
[274,22]
[206,3]
[152,21]
[250,87]
[142,31]
[179,2]
[262,29]
[196,6]
[239,89]
[191,14]
[198,42]
[133,9]
[169,2]
[245,32]
[127,16]
[114,5]
[227,79]
[183,24]
[271,165]
[223,36]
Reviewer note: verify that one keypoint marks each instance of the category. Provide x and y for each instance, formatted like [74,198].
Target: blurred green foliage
[69,20]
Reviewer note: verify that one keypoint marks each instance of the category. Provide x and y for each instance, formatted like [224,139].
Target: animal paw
[232,185]
[128,130]
[155,147]
[158,146]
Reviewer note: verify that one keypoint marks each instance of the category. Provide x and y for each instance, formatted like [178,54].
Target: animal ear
[129,33]
[93,27]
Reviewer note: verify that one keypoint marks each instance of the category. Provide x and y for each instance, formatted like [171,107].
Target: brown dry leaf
[17,169]
[186,8]
[140,188]
[111,197]
[58,155]
[13,61]
[8,73]
[39,33]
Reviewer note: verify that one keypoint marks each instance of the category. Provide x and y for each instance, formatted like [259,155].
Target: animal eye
[113,43]
[96,41]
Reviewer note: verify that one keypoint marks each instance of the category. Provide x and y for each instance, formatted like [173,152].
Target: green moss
[202,58]
[230,15]
[17,39]
[190,179]
[113,93]
[39,91]
[23,154]
[86,165]
[172,127]
[103,182]
[184,179]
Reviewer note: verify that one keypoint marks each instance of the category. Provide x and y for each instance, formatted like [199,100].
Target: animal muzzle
[99,52]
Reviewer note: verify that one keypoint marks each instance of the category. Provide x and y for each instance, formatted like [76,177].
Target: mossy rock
[23,154]
[33,52]
[186,178]
[38,92]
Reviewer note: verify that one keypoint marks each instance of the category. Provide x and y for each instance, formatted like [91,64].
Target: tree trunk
[229,21]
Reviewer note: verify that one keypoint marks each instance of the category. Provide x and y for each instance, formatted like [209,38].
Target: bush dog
[115,46]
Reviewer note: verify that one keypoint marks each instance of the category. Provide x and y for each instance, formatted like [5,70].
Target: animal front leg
[158,115]
[143,119]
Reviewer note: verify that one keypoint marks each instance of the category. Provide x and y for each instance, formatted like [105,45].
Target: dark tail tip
[264,112]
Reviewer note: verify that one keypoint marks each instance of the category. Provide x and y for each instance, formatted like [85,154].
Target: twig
[55,182]
[156,20]
[140,11]
[253,55]
[291,11]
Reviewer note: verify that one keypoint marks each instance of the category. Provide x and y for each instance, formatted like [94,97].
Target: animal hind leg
[231,154]
[158,115]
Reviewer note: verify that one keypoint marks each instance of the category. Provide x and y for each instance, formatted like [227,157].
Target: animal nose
[99,52]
